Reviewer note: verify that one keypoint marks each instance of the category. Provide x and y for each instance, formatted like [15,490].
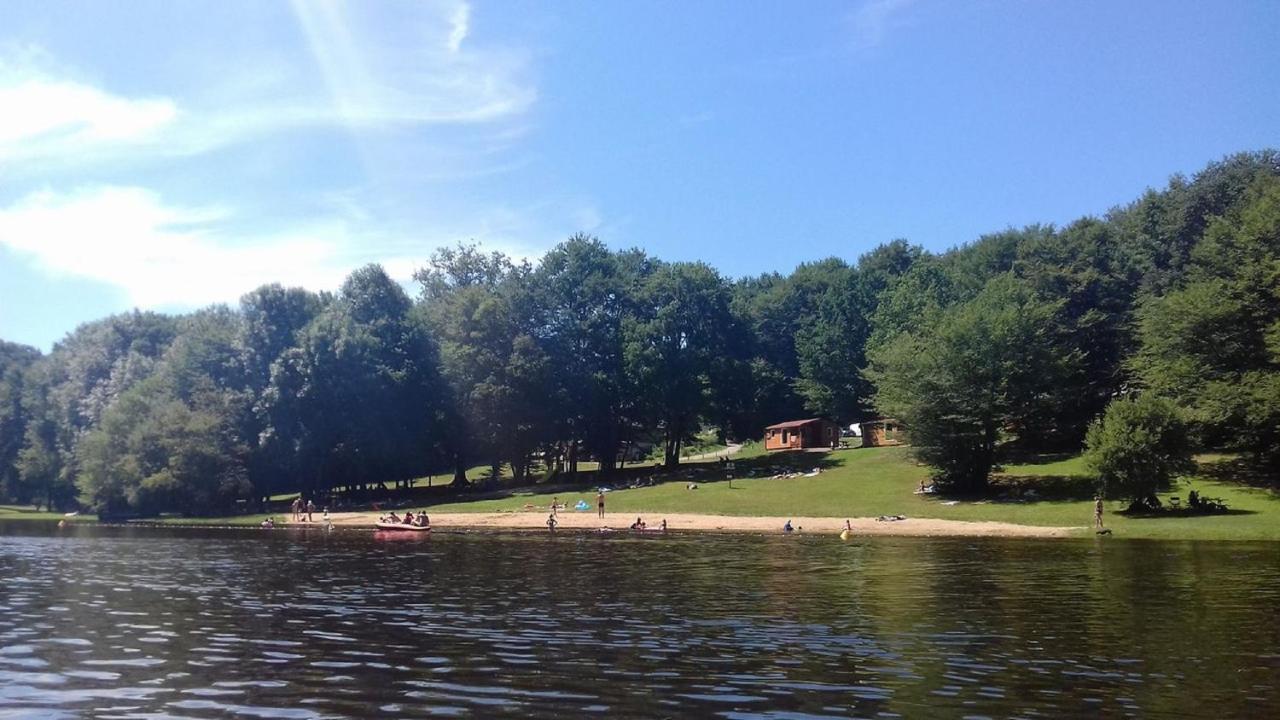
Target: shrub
[1137,447]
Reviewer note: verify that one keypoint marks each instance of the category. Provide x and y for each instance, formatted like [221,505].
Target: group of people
[271,522]
[308,509]
[788,528]
[419,520]
[640,525]
[302,512]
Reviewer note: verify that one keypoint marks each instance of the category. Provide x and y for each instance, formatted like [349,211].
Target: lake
[201,623]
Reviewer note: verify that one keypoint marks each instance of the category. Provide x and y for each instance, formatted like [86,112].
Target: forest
[1013,344]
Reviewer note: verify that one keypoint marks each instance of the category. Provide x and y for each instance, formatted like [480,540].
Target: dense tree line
[1013,343]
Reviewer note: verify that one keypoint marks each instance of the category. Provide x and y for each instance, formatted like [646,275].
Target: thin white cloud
[461,24]
[410,68]
[44,115]
[159,255]
[380,66]
[165,256]
[875,17]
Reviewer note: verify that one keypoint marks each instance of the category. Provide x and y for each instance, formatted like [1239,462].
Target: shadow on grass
[21,510]
[1032,488]
[1240,471]
[1027,458]
[638,476]
[1167,513]
[758,467]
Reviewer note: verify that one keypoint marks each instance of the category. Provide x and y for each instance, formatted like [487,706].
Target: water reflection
[136,622]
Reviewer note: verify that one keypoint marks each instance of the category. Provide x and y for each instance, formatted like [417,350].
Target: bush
[1137,447]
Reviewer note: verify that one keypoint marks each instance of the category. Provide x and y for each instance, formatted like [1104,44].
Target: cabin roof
[792,424]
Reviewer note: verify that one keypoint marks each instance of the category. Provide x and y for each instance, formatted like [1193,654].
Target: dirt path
[568,520]
[729,451]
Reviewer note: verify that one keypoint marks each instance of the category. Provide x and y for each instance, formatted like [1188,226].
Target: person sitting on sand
[638,524]
[663,526]
[787,527]
[268,523]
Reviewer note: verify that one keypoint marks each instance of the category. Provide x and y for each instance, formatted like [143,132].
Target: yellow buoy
[844,534]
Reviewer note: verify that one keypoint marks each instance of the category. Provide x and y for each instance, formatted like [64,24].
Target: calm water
[138,622]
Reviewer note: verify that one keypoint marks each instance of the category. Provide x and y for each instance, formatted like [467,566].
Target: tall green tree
[587,293]
[477,306]
[359,400]
[1085,268]
[155,452]
[978,372]
[174,441]
[1213,345]
[831,345]
[15,367]
[673,349]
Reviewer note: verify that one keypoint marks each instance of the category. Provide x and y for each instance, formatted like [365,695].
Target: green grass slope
[883,481]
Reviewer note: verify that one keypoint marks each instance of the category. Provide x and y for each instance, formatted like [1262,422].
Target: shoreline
[686,522]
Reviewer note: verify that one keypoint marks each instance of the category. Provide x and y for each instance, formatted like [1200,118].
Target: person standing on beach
[600,502]
[554,502]
[1097,512]
[311,509]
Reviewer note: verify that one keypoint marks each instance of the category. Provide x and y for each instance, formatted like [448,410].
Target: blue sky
[169,155]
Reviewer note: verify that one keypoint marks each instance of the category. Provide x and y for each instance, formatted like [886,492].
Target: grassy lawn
[1056,491]
[26,512]
[249,520]
[882,481]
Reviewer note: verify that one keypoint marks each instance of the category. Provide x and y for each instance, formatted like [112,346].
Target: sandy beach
[681,522]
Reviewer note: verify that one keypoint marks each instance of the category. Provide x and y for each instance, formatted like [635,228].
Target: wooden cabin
[801,435]
[885,431]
